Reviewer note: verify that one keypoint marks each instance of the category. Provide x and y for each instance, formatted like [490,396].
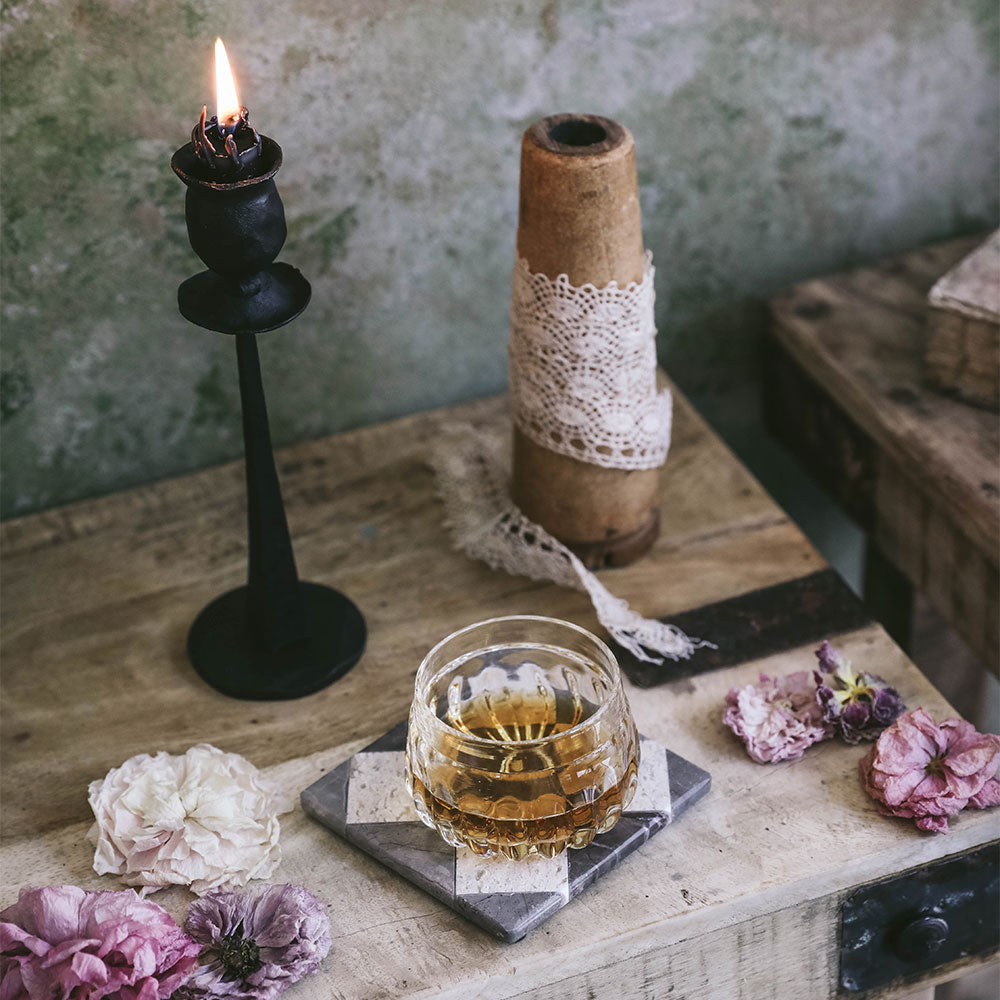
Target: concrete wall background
[775,140]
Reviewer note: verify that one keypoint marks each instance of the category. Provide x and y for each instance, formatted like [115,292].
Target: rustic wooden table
[741,898]
[845,390]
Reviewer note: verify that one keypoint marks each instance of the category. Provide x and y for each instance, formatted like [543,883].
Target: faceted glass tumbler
[521,740]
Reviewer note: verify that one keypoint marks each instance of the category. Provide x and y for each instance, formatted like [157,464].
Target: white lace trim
[583,369]
[485,525]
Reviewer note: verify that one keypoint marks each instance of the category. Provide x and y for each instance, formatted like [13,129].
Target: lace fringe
[485,525]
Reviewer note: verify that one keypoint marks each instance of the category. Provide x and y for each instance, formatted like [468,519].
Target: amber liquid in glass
[513,800]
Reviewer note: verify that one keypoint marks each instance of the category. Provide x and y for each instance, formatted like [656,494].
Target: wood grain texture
[951,977]
[963,357]
[919,470]
[97,601]
[926,542]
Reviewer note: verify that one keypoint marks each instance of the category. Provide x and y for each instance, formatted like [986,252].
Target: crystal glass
[521,740]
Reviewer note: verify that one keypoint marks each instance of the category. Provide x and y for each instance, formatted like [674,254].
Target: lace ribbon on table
[582,364]
[485,525]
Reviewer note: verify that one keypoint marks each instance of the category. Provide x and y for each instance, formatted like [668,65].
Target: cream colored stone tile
[652,793]
[377,792]
[474,874]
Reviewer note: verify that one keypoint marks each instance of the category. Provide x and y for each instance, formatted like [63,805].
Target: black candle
[226,143]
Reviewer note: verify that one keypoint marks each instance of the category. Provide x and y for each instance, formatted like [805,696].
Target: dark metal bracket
[920,920]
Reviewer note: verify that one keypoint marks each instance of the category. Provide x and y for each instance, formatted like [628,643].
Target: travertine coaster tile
[652,791]
[475,875]
[376,793]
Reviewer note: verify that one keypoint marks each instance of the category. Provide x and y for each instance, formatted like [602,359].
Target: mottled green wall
[776,139]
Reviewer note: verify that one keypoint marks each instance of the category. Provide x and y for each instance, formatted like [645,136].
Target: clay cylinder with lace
[579,217]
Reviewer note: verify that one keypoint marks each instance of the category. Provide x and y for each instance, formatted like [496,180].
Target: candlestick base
[271,298]
[225,650]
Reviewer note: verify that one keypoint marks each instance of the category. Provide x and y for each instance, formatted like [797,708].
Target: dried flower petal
[203,819]
[255,943]
[858,706]
[778,719]
[926,772]
[987,796]
[62,943]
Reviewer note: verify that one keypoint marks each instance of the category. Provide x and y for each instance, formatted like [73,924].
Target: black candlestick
[276,637]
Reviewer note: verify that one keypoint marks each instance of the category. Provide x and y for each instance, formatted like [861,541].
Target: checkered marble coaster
[365,801]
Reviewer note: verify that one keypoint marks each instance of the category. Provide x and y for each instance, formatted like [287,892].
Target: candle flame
[227,104]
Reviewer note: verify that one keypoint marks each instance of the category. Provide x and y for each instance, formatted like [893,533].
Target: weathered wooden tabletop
[846,390]
[739,899]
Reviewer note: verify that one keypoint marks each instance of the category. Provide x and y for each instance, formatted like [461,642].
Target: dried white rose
[204,819]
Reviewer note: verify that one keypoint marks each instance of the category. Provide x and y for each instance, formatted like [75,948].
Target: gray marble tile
[509,916]
[603,853]
[395,739]
[688,782]
[365,802]
[413,850]
[326,799]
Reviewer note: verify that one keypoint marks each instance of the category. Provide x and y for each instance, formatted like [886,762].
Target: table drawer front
[921,919]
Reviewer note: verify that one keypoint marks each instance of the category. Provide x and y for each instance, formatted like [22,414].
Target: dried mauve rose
[927,772]
[204,819]
[778,719]
[255,943]
[858,705]
[62,943]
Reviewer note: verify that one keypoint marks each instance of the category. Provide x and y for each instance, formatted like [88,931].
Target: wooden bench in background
[845,390]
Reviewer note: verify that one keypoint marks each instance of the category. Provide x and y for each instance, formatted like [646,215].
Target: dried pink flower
[204,819]
[778,719]
[927,772]
[62,943]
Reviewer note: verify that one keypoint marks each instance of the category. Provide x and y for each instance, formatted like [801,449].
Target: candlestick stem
[276,609]
[276,637]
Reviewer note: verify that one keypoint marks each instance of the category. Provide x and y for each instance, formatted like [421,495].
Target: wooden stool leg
[972,986]
[888,594]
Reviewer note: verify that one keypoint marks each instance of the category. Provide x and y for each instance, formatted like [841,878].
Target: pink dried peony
[926,772]
[778,719]
[204,819]
[62,943]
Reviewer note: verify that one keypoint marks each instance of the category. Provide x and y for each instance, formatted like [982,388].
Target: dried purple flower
[860,705]
[255,944]
[778,719]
